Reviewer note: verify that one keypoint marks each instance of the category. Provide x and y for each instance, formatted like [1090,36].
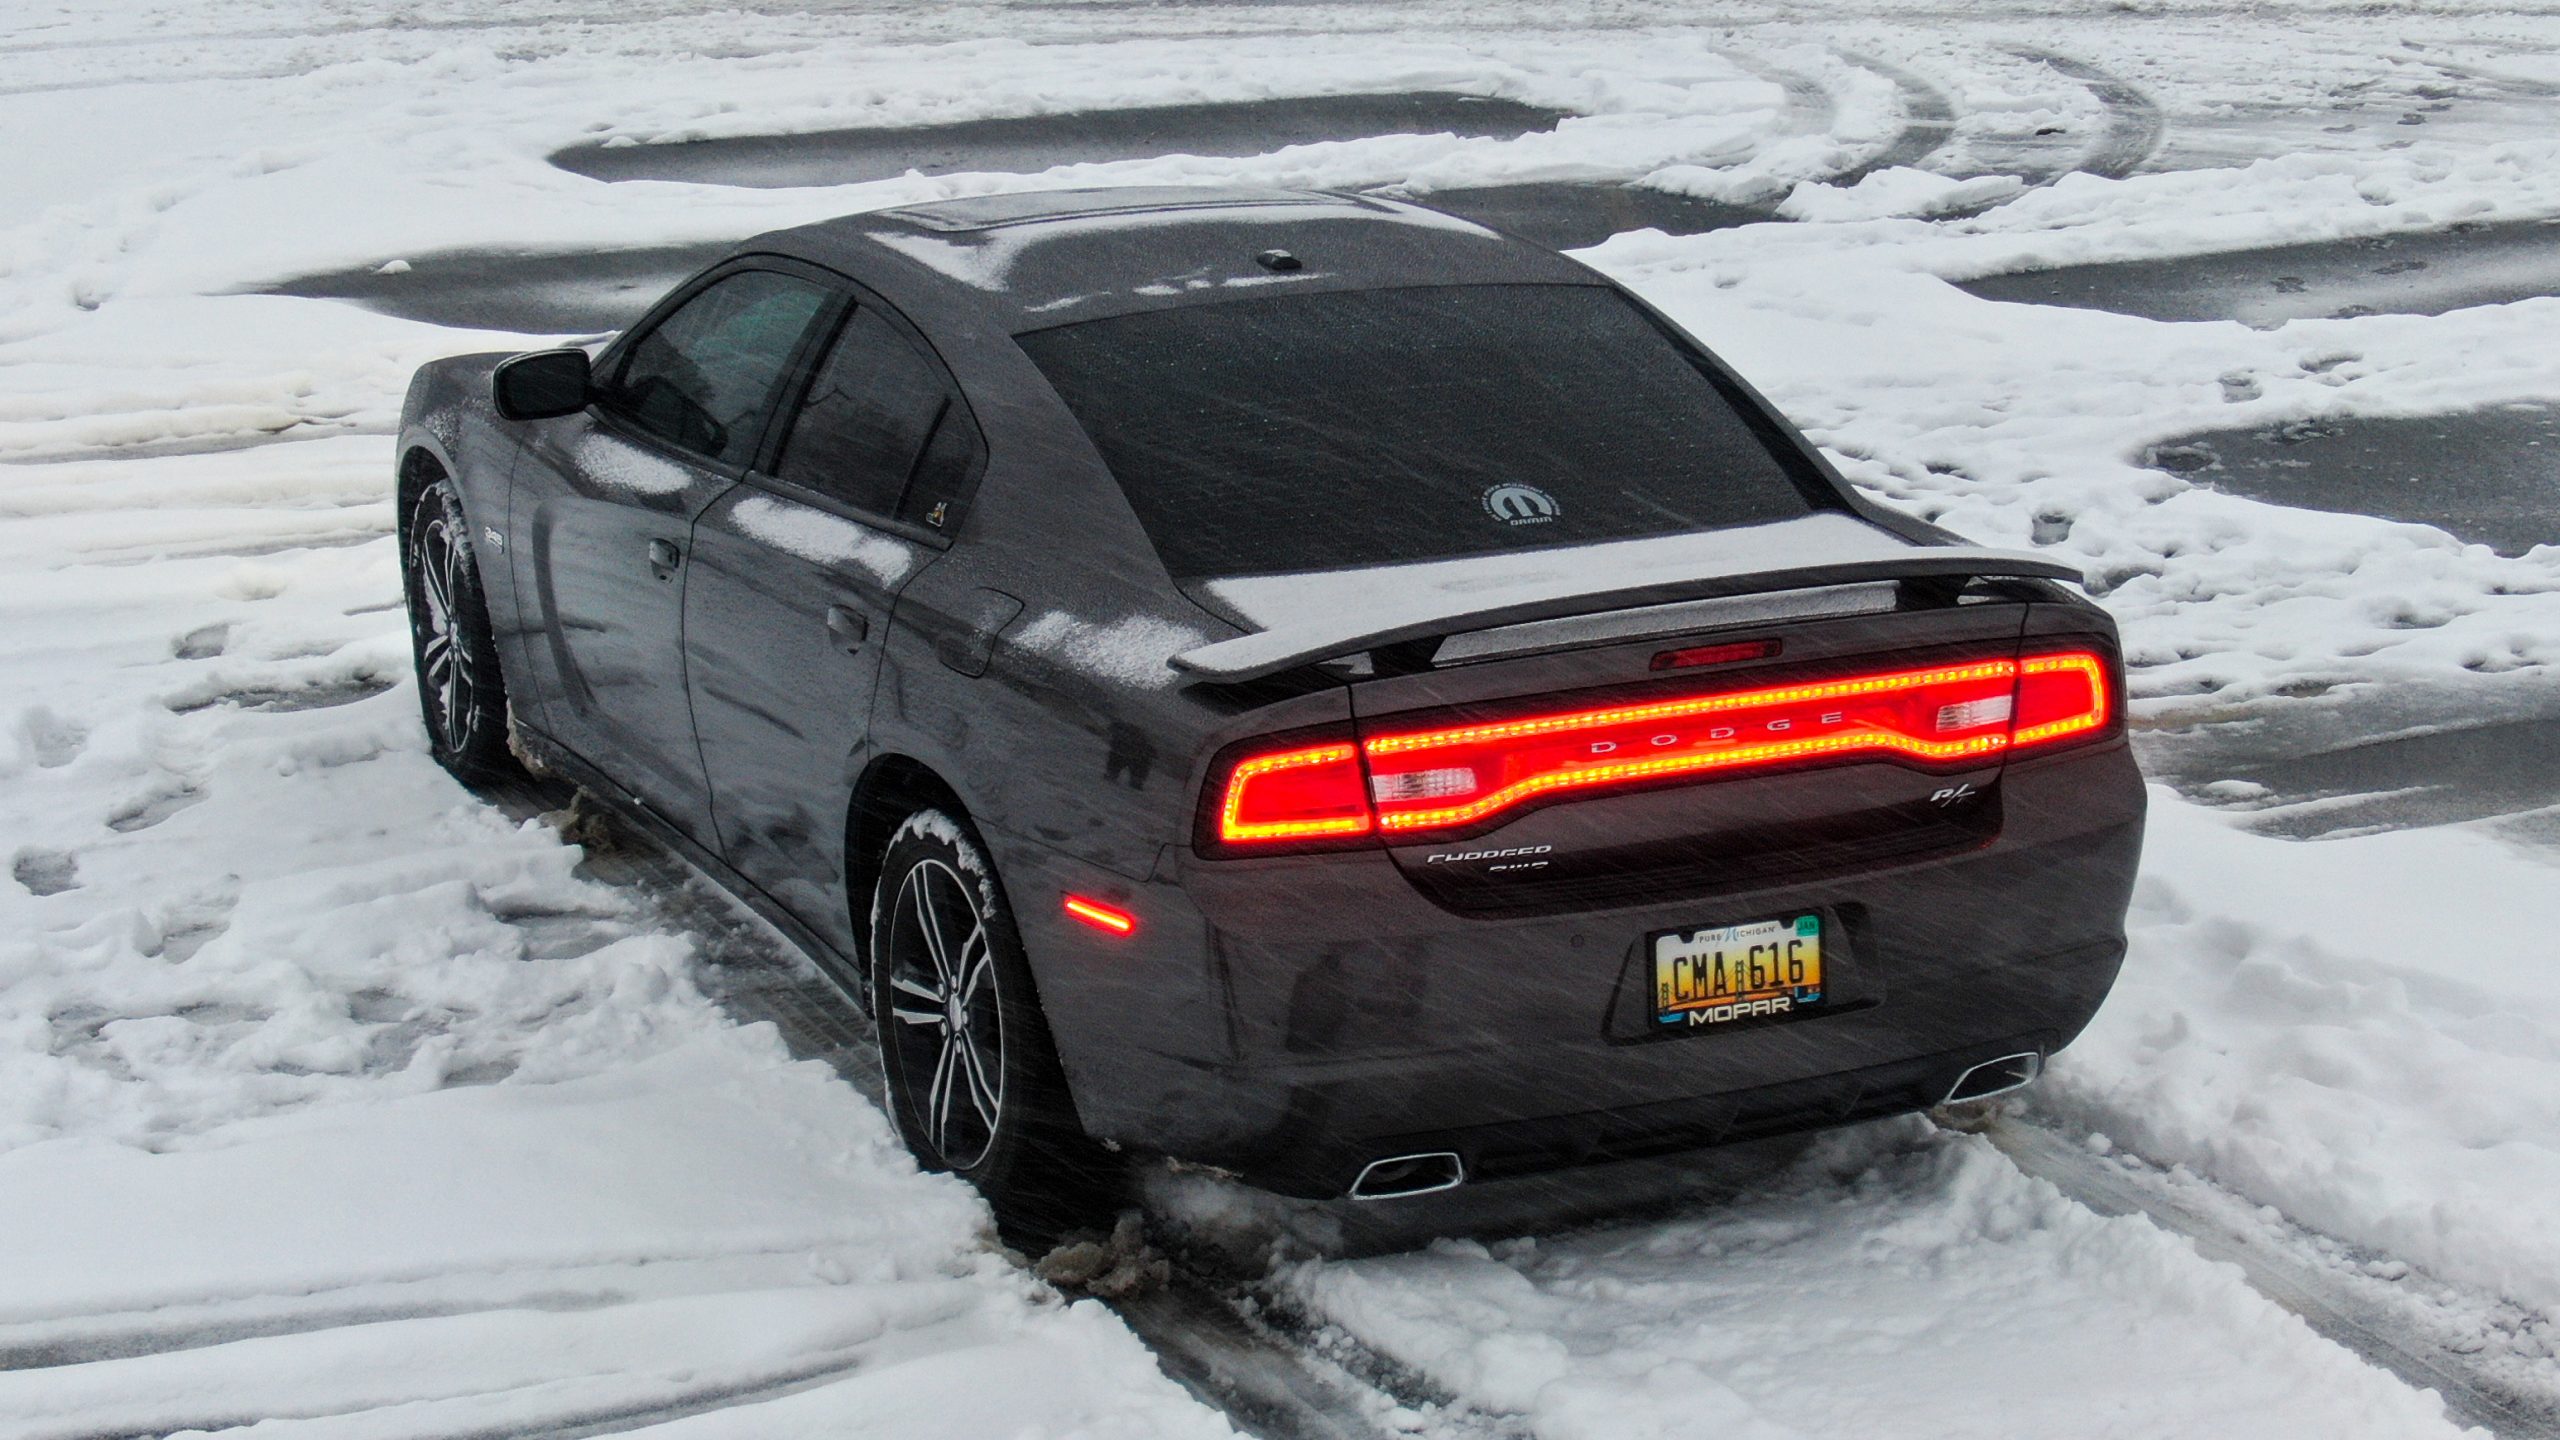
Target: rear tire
[973,1077]
[462,697]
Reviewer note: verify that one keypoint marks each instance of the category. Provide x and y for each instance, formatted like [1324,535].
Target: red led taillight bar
[1412,783]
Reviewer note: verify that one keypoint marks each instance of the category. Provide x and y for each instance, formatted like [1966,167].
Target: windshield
[1315,432]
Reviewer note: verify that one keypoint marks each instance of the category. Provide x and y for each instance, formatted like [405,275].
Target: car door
[794,576]
[603,505]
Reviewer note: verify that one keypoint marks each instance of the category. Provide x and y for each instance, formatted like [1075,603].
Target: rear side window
[1315,432]
[880,422]
[705,378]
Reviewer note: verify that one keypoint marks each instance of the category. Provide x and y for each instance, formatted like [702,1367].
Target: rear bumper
[1295,1019]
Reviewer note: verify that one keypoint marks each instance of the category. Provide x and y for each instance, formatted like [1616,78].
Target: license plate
[1755,970]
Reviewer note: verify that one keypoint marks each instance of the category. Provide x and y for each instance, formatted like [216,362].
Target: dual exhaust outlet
[1428,1172]
[1996,1077]
[1399,1176]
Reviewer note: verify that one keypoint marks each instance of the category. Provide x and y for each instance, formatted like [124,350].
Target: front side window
[704,379]
[1380,427]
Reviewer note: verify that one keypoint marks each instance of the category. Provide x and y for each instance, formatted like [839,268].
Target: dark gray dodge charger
[1300,683]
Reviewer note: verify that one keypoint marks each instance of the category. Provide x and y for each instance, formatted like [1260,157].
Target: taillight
[1416,782]
[2061,696]
[1309,793]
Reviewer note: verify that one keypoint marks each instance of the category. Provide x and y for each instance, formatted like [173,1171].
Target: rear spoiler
[1330,636]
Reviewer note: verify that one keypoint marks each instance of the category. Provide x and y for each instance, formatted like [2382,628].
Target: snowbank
[2364,1033]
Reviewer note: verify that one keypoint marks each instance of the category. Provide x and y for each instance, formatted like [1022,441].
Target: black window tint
[868,416]
[1313,432]
[705,378]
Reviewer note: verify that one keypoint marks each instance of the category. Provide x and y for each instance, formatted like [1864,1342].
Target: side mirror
[543,384]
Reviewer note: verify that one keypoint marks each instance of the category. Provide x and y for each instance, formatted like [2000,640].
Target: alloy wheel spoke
[917,1017]
[946,1070]
[927,993]
[983,1096]
[925,921]
[954,957]
[438,586]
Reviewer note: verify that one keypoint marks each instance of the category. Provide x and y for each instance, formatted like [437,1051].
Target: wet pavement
[2491,476]
[587,293]
[1564,216]
[581,294]
[2416,274]
[1030,144]
[2365,757]
[2346,765]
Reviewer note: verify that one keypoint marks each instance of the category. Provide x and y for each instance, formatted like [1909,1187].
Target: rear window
[1315,432]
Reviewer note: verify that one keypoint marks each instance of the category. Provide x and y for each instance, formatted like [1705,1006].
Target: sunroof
[982,212]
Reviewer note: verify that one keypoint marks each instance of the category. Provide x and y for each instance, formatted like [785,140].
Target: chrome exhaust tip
[1996,1077]
[1399,1176]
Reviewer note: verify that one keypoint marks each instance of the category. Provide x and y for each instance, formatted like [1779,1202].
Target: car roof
[1056,257]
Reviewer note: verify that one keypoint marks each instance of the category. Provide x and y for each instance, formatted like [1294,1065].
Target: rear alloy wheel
[974,1083]
[461,695]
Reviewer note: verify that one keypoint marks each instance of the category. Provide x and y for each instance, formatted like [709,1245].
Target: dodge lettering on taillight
[1445,781]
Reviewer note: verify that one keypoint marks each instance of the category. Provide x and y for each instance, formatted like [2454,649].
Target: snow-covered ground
[331,1097]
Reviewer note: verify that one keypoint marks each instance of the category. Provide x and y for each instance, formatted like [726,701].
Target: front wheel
[974,1084]
[462,697]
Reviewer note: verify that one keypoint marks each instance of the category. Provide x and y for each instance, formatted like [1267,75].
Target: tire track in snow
[1201,1333]
[1808,110]
[2134,125]
[1928,121]
[2324,1300]
[1263,1383]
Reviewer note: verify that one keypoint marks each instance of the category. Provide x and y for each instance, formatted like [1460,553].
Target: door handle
[847,627]
[664,557]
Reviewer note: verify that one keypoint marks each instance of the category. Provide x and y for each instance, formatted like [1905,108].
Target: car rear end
[1568,808]
[1802,932]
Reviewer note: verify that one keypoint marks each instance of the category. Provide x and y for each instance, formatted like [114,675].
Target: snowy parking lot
[337,1100]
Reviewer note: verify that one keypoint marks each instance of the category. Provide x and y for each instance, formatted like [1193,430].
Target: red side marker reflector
[1108,918]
